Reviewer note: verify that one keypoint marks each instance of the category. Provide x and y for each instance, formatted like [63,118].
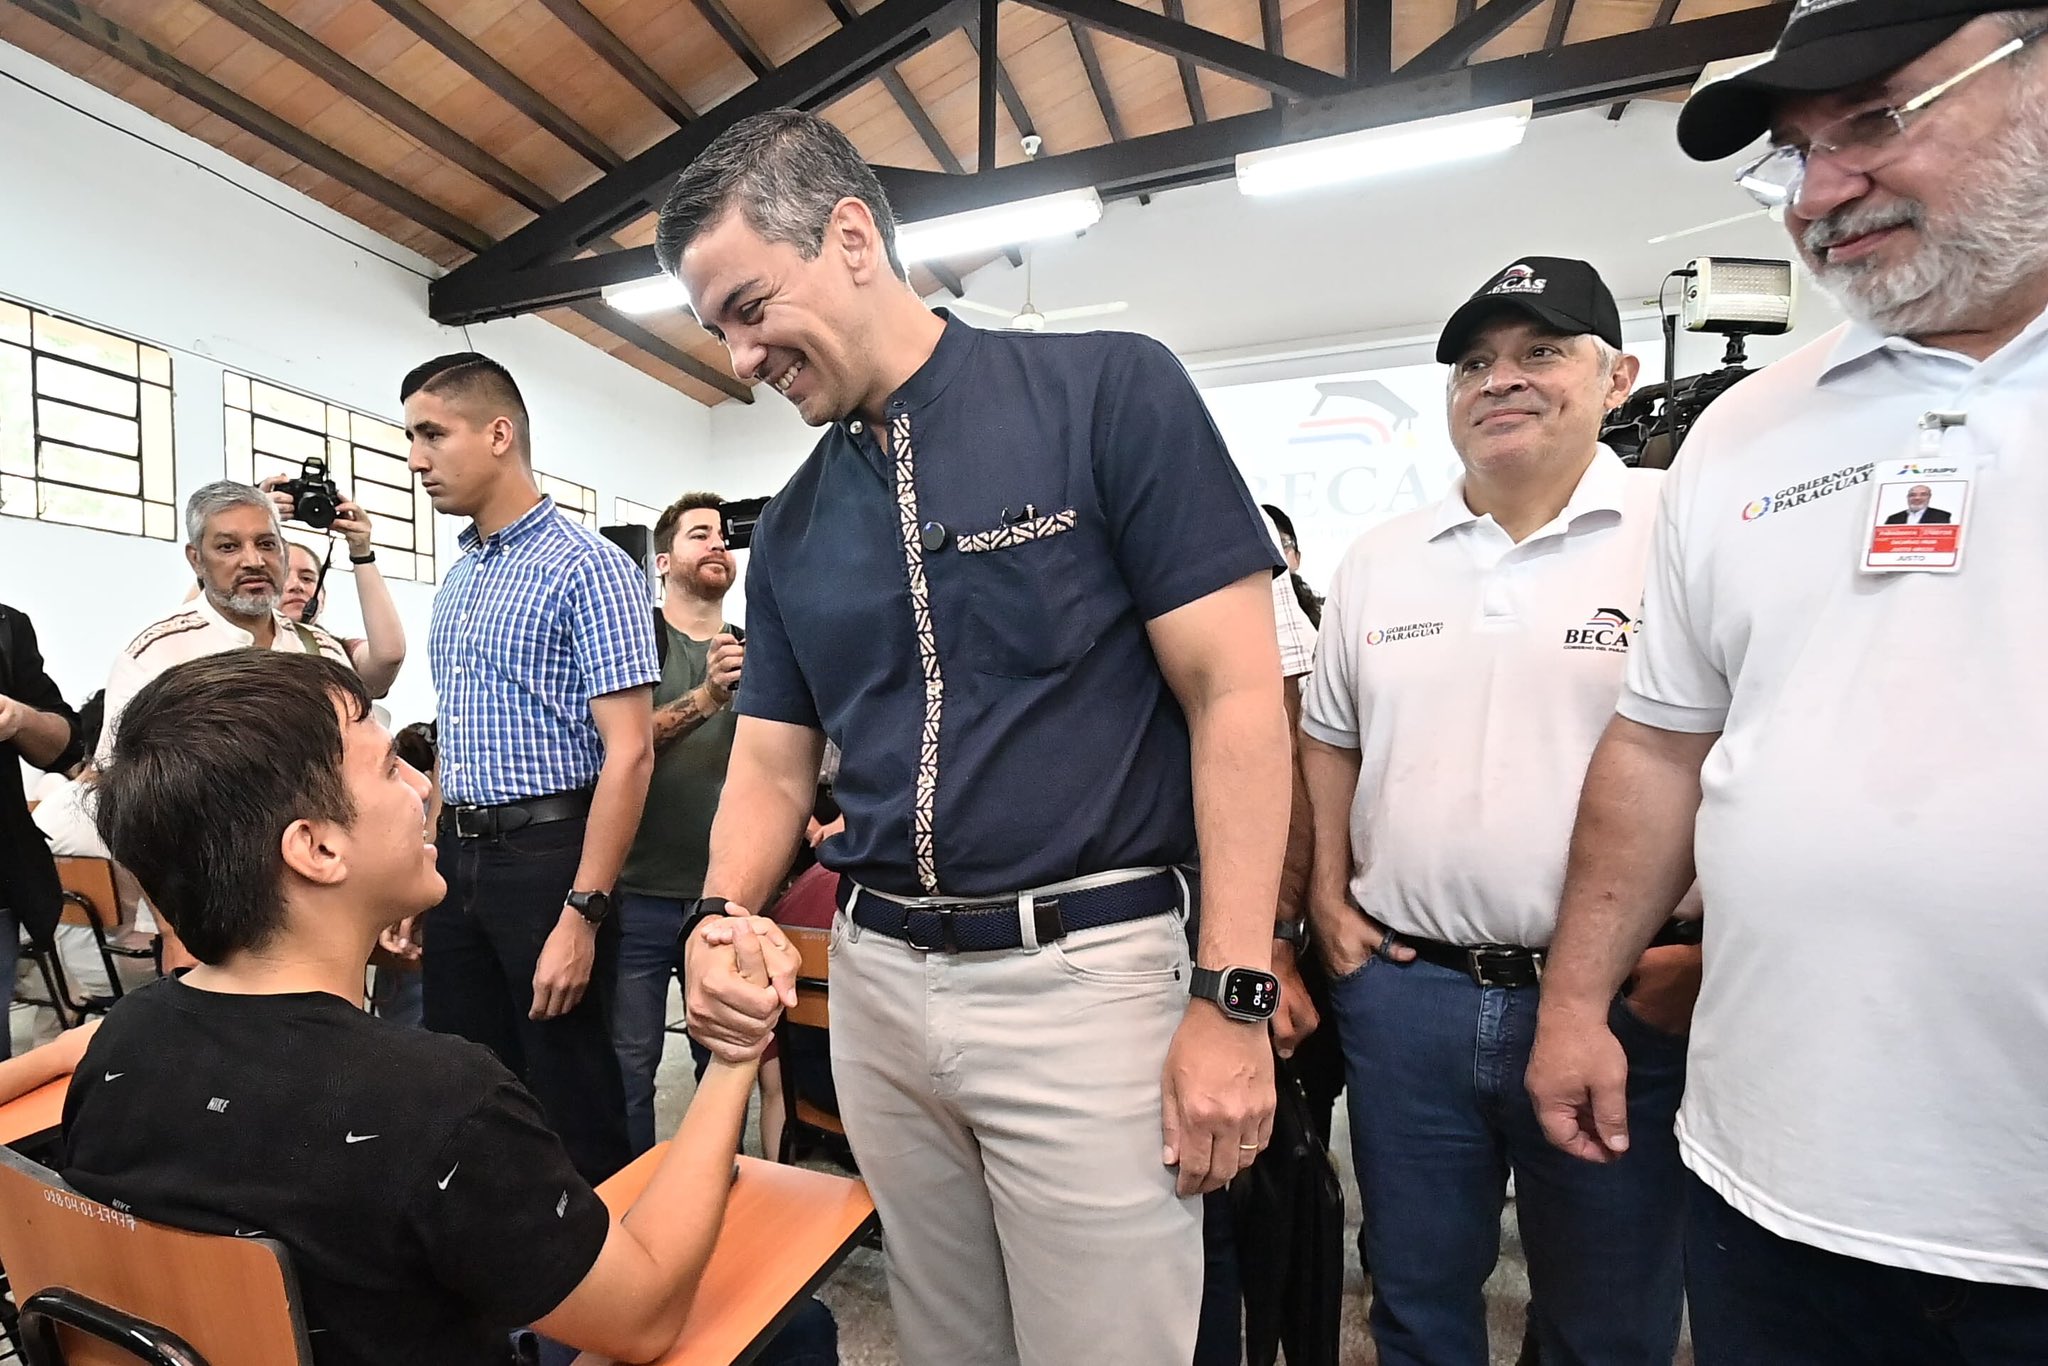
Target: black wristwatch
[1246,994]
[367,557]
[596,907]
[1294,932]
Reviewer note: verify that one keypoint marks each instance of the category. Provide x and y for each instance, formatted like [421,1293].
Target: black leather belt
[483,822]
[991,925]
[1509,965]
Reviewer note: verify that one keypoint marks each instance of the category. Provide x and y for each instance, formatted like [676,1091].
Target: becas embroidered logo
[1519,278]
[1607,629]
[1420,630]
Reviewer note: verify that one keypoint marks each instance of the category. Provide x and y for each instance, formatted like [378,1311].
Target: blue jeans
[1761,1300]
[1439,1117]
[650,929]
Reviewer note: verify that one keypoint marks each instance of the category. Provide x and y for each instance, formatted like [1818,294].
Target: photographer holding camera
[236,548]
[313,500]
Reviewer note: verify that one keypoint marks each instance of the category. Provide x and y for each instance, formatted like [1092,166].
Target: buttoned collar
[930,379]
[1602,488]
[517,530]
[1859,340]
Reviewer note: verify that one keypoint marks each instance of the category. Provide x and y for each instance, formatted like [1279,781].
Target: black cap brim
[1723,118]
[1474,314]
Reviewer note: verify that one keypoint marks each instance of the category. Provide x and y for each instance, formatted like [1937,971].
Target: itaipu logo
[1607,629]
[1420,630]
[1520,279]
[1925,471]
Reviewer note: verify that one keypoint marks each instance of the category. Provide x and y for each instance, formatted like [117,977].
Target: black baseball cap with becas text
[1557,291]
[1827,45]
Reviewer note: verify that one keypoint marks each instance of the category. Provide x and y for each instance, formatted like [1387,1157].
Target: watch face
[1247,991]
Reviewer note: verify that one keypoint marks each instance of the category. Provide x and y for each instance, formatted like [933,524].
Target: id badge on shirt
[1919,507]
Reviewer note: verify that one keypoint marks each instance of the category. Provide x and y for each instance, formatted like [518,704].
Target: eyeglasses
[1860,143]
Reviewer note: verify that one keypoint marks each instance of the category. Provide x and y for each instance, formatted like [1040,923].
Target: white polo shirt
[1869,1063]
[192,631]
[1474,676]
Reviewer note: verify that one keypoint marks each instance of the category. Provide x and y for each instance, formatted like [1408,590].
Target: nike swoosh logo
[115,1076]
[353,1137]
[248,1233]
[443,1182]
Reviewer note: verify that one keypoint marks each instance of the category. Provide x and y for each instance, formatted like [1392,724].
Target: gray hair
[785,171]
[1610,356]
[216,498]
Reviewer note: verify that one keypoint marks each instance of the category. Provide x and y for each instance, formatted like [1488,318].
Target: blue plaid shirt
[529,625]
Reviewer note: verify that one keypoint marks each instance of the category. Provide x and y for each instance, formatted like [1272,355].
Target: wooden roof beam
[1473,31]
[1368,39]
[264,24]
[1253,65]
[459,48]
[613,50]
[734,36]
[1092,64]
[74,19]
[1560,24]
[1006,89]
[662,349]
[1190,84]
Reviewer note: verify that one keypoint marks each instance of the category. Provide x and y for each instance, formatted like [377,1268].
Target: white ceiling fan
[1029,318]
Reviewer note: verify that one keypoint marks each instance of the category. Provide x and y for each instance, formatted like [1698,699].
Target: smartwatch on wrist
[367,557]
[595,907]
[1247,994]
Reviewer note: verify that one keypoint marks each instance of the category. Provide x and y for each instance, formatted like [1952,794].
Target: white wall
[104,215]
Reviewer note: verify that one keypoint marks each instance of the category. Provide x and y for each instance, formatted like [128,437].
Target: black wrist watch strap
[705,908]
[1294,932]
[367,557]
[596,907]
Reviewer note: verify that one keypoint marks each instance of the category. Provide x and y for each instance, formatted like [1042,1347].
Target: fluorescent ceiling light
[999,225]
[1381,151]
[657,295]
[957,234]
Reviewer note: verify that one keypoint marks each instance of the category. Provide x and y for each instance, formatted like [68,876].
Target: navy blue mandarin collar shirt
[963,611]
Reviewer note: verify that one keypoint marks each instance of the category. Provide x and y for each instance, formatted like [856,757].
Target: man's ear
[853,231]
[314,850]
[661,564]
[501,435]
[192,558]
[1623,381]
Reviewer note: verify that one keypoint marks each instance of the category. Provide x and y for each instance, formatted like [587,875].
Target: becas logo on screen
[1367,414]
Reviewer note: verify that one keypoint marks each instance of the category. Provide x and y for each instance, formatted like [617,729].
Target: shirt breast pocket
[1022,587]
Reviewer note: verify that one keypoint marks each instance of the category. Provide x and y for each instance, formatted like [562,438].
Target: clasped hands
[739,974]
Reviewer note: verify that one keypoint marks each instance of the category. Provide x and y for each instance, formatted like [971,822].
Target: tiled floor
[859,1297]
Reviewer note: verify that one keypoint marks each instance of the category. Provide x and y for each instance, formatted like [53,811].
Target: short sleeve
[1329,701]
[773,687]
[612,626]
[124,680]
[1673,683]
[502,1216]
[1182,524]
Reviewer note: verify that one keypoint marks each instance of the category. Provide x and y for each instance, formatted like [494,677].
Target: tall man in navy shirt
[543,657]
[1023,589]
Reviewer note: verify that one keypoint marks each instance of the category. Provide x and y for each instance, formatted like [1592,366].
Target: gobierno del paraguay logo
[1808,491]
[1389,635]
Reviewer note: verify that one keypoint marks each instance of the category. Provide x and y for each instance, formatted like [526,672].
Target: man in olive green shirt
[693,728]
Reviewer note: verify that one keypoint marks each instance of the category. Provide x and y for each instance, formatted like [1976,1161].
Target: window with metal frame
[578,500]
[627,511]
[275,430]
[85,426]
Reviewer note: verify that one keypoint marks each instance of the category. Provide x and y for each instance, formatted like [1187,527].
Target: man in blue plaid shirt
[543,656]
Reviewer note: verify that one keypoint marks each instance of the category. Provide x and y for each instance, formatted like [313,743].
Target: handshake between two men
[741,976]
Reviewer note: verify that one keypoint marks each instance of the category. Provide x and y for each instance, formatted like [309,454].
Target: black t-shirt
[427,1206]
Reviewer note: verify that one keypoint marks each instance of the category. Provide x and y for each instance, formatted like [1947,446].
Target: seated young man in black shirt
[427,1207]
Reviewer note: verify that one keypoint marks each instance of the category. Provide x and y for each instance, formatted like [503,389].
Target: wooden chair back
[234,1300]
[89,892]
[813,977]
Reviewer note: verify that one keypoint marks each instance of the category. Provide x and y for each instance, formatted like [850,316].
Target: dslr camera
[315,499]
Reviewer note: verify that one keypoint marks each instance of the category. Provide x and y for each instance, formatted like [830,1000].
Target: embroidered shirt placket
[927,657]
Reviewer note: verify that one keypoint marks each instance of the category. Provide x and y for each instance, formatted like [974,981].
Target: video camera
[738,516]
[315,499]
[1739,298]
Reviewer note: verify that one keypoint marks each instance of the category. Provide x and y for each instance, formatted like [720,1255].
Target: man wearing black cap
[1471,653]
[1864,1115]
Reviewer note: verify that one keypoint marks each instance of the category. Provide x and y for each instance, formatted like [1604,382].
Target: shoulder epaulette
[169,626]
